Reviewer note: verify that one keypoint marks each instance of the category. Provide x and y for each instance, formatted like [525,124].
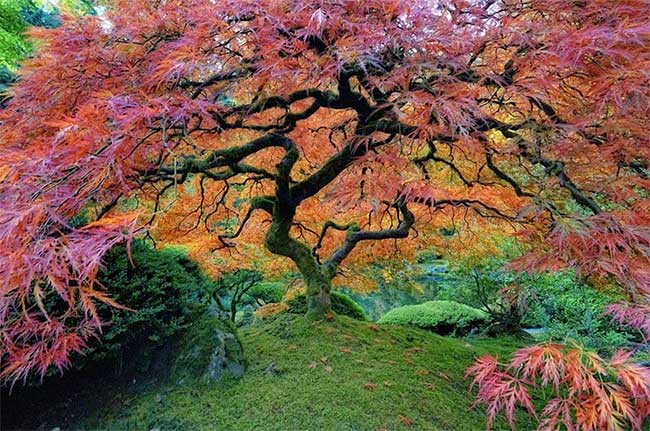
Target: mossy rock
[341,304]
[210,351]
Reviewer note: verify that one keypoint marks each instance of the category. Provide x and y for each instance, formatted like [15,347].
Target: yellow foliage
[271,309]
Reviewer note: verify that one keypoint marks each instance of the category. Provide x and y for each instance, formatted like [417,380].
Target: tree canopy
[326,131]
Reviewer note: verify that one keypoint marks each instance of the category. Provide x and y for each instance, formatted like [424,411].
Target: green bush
[442,317]
[265,292]
[341,304]
[577,314]
[159,288]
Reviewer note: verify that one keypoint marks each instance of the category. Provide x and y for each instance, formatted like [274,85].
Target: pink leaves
[35,264]
[498,390]
[632,316]
[602,245]
[589,393]
[35,344]
[317,22]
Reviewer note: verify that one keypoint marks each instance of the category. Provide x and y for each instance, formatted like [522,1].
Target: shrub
[231,291]
[578,314]
[265,292]
[442,317]
[341,304]
[159,288]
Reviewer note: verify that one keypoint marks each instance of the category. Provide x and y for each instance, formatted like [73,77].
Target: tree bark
[279,241]
[319,301]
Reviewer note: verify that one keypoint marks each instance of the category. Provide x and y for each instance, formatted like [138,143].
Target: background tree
[235,285]
[323,130]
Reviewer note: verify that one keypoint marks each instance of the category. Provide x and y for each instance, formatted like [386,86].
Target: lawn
[340,375]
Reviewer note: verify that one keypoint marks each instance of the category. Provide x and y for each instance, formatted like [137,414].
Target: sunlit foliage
[326,131]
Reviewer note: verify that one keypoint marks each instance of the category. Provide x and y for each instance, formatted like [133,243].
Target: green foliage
[13,46]
[488,286]
[341,304]
[441,317]
[78,7]
[159,288]
[559,303]
[398,285]
[575,312]
[265,292]
[17,15]
[237,289]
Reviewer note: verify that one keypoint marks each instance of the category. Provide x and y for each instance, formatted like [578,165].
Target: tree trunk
[278,241]
[319,302]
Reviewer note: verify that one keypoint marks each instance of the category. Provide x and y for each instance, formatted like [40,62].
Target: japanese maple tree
[582,391]
[325,131]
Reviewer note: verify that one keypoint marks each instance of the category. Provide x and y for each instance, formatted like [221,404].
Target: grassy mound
[441,317]
[341,375]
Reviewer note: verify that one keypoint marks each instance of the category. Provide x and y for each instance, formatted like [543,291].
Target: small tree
[231,288]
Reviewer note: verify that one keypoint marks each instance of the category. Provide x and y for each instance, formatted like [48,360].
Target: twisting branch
[223,237]
[330,224]
[355,236]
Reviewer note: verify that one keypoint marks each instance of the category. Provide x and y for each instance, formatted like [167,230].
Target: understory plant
[576,388]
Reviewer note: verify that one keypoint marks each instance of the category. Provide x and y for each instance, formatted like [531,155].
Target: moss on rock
[210,351]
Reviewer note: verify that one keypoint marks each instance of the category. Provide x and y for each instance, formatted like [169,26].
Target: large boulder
[210,351]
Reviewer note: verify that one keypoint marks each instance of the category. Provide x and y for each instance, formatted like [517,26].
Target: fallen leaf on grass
[406,421]
[443,375]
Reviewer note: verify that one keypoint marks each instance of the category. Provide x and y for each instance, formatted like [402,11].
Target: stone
[226,357]
[211,351]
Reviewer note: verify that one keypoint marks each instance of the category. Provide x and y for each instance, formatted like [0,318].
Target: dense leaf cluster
[159,288]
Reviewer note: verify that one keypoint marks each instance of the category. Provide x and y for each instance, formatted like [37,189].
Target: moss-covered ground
[305,375]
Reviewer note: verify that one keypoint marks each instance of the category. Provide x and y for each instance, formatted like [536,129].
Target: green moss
[442,317]
[340,375]
[341,304]
[195,358]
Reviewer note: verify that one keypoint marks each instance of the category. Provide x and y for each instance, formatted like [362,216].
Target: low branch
[355,236]
[329,224]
